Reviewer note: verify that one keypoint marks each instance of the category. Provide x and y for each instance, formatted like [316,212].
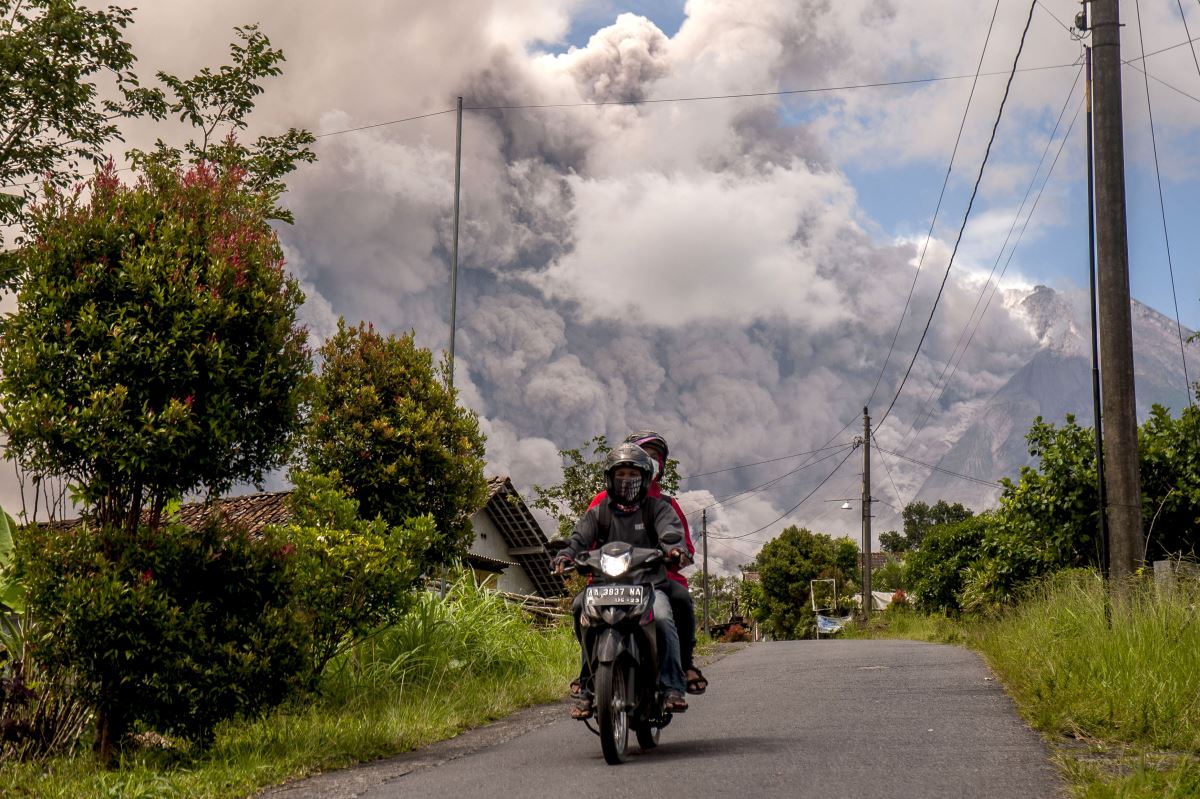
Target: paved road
[788,719]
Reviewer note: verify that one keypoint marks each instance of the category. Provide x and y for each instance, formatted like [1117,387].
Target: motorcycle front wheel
[612,716]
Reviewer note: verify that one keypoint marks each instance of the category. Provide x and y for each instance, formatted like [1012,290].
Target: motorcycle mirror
[557,545]
[672,538]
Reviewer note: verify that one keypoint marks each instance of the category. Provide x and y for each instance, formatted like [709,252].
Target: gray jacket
[627,527]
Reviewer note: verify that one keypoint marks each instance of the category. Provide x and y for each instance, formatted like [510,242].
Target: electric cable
[939,468]
[1188,33]
[937,209]
[966,215]
[740,496]
[930,403]
[1162,208]
[797,505]
[888,469]
[759,463]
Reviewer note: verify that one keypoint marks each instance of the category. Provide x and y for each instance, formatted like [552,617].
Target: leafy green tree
[936,571]
[216,105]
[893,542]
[1169,455]
[385,418]
[785,566]
[154,350]
[174,628]
[723,596]
[583,479]
[890,576]
[920,518]
[353,576]
[54,55]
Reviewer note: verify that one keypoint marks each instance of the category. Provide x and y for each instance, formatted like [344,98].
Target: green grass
[1115,687]
[446,667]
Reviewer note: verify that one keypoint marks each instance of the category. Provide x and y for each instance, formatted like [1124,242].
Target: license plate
[614,594]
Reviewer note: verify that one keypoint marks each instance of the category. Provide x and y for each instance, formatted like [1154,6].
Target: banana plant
[12,592]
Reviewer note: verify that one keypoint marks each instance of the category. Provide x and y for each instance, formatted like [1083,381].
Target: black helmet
[649,438]
[628,493]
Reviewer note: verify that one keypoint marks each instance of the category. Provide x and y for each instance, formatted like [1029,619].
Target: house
[509,550]
[508,553]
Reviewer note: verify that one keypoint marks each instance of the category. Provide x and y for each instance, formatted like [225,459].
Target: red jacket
[655,491]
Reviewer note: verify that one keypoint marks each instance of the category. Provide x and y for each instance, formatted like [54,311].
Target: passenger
[628,474]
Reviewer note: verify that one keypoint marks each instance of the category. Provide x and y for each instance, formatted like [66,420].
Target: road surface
[780,719]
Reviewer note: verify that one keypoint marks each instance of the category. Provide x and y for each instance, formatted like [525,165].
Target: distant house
[509,550]
[508,553]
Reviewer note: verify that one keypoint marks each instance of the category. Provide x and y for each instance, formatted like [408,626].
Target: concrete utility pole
[704,543]
[1097,416]
[454,245]
[866,517]
[1116,331]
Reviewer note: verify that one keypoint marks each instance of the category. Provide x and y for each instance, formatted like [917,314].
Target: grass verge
[1114,687]
[448,666]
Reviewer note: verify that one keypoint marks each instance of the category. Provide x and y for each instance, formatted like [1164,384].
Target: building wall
[489,541]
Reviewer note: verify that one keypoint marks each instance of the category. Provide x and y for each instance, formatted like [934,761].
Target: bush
[175,629]
[936,571]
[352,576]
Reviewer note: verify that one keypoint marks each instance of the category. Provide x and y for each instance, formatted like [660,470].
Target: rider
[682,605]
[628,472]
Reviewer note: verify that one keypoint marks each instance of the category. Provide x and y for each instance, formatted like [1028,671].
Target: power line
[797,505]
[930,403]
[1188,33]
[384,124]
[939,468]
[966,215]
[888,469]
[759,463]
[1163,208]
[741,496]
[941,196]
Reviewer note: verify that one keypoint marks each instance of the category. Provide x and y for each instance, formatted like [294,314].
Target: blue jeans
[670,669]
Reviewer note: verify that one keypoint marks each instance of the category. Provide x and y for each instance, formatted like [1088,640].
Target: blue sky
[899,199]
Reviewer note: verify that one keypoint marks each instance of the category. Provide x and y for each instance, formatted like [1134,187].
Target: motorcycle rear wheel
[647,736]
[611,715]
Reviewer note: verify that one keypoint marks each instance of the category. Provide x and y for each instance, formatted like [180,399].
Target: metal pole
[454,245]
[866,517]
[1096,415]
[704,543]
[1119,410]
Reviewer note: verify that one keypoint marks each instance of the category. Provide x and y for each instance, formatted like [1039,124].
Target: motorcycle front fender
[612,644]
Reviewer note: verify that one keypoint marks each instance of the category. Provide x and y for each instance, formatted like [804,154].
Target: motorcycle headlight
[615,565]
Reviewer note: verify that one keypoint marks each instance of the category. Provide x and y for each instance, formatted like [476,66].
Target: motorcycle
[619,636]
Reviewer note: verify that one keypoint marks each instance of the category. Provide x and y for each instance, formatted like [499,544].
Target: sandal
[582,709]
[675,702]
[697,684]
[576,690]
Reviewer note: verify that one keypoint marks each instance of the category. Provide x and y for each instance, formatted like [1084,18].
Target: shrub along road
[780,719]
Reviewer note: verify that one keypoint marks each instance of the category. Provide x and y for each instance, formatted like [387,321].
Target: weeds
[448,665]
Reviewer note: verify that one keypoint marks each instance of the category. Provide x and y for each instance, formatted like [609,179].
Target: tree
[154,350]
[936,570]
[387,420]
[920,517]
[786,564]
[893,542]
[52,120]
[583,479]
[722,599]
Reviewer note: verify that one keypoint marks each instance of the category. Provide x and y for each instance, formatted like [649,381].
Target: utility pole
[454,245]
[1116,332]
[866,516]
[1097,416]
[704,543]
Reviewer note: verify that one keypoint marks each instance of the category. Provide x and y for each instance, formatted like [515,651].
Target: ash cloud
[704,268]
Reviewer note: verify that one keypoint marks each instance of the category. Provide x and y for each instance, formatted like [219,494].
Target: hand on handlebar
[675,555]
[562,561]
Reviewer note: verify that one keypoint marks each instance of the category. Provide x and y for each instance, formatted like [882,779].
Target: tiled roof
[524,535]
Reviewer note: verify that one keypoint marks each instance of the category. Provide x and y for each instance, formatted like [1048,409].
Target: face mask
[627,489]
